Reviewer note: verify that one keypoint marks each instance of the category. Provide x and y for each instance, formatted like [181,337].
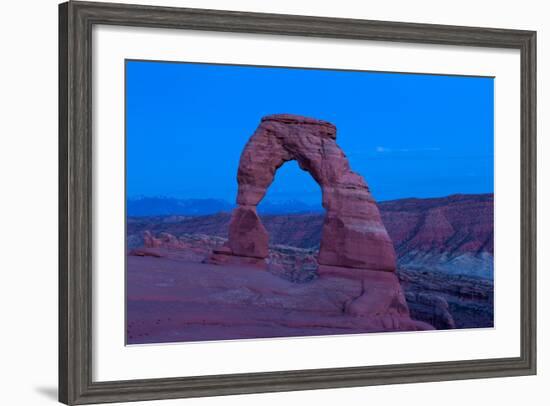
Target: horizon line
[140,197]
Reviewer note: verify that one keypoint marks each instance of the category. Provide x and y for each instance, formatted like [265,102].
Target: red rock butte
[354,241]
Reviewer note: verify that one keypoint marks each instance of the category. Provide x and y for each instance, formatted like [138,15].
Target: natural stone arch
[353,235]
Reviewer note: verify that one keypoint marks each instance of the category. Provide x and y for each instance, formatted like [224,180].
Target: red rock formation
[149,241]
[353,235]
[164,240]
[247,235]
[457,223]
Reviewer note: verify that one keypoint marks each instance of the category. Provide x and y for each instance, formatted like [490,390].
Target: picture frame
[76,352]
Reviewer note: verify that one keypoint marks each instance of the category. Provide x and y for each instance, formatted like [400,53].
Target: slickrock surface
[173,297]
[443,299]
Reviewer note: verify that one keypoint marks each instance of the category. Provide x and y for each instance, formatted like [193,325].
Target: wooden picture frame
[76,20]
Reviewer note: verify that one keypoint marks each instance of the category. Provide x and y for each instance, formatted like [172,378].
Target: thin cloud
[382,150]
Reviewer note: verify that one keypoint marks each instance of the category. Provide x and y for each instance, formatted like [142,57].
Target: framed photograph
[258,202]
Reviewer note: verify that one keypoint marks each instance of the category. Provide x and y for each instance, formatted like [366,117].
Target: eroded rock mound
[353,235]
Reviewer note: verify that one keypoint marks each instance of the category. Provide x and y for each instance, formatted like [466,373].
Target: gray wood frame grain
[76,20]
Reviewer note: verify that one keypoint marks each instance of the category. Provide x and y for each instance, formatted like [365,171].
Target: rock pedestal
[247,235]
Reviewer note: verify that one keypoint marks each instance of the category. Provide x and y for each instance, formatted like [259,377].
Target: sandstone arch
[353,235]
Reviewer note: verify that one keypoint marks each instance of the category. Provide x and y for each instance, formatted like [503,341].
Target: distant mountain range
[164,206]
[453,234]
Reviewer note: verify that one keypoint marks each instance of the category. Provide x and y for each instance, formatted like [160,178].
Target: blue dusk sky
[408,135]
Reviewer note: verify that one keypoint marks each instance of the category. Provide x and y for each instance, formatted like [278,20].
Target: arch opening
[293,191]
[292,213]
